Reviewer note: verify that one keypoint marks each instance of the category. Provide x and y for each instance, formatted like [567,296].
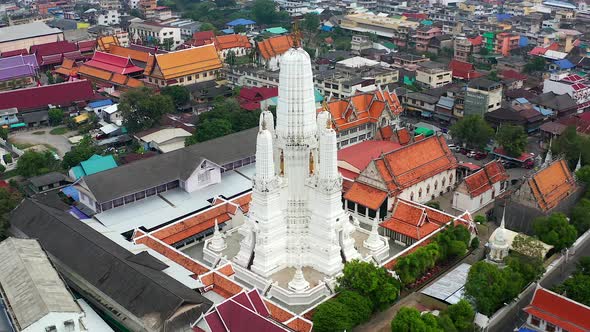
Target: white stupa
[499,245]
[296,217]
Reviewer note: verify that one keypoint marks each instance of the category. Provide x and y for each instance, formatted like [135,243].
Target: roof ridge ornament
[296,34]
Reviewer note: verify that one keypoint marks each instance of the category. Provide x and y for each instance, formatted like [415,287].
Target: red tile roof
[201,38]
[513,74]
[362,108]
[274,46]
[361,154]
[366,195]
[559,310]
[552,184]
[463,70]
[403,136]
[226,42]
[87,45]
[61,94]
[7,54]
[47,50]
[414,163]
[482,180]
[538,50]
[413,220]
[250,97]
[113,63]
[476,41]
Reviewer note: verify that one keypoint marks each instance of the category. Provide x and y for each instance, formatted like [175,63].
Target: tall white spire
[217,242]
[549,156]
[265,169]
[579,164]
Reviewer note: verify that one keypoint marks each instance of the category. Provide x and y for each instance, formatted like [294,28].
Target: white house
[112,114]
[480,188]
[169,37]
[164,140]
[108,17]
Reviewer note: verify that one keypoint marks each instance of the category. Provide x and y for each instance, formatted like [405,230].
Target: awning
[442,116]
[81,118]
[18,125]
[423,131]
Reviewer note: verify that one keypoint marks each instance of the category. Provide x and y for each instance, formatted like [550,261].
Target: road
[516,317]
[60,142]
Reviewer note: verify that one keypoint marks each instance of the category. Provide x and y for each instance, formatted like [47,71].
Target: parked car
[471,154]
[480,155]
[464,151]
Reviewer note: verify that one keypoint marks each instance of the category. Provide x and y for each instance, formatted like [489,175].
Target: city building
[23,36]
[271,50]
[50,54]
[163,139]
[479,189]
[152,32]
[549,311]
[360,117]
[33,295]
[465,47]
[424,36]
[184,67]
[506,42]
[433,74]
[574,85]
[108,17]
[482,96]
[398,29]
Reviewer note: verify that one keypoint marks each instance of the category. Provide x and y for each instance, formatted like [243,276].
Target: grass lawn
[59,131]
[39,132]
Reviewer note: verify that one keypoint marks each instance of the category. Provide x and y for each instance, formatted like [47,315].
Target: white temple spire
[374,242]
[549,155]
[579,164]
[217,242]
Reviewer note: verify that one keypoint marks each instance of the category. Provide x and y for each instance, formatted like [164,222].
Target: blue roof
[228,31]
[522,100]
[564,64]
[70,191]
[544,111]
[327,28]
[98,163]
[524,329]
[318,96]
[100,103]
[446,102]
[240,21]
[503,17]
[523,41]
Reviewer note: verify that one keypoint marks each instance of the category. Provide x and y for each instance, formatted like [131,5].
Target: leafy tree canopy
[513,139]
[410,320]
[473,131]
[555,230]
[80,152]
[311,22]
[142,109]
[33,163]
[179,94]
[9,199]
[462,315]
[56,116]
[332,316]
[360,306]
[577,287]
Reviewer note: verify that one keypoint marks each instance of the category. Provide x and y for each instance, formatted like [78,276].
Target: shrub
[474,243]
[7,158]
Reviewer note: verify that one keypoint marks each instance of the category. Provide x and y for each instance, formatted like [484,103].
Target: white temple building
[296,224]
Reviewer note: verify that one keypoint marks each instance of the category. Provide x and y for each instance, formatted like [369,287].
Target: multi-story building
[251,76]
[342,83]
[433,74]
[405,60]
[424,35]
[184,67]
[156,34]
[396,28]
[360,42]
[482,96]
[110,4]
[147,7]
[238,44]
[506,42]
[187,26]
[465,47]
[574,85]
[108,17]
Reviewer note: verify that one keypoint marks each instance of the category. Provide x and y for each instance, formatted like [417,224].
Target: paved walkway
[60,142]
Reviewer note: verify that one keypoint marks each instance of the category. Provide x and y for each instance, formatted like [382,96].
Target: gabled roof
[240,21]
[552,184]
[127,52]
[414,220]
[113,63]
[44,52]
[275,46]
[366,195]
[559,310]
[108,76]
[32,286]
[68,67]
[106,42]
[18,66]
[360,155]
[226,42]
[185,62]
[97,164]
[362,108]
[201,38]
[245,311]
[61,94]
[483,180]
[161,302]
[463,70]
[415,162]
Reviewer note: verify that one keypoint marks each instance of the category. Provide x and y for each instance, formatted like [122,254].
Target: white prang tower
[296,217]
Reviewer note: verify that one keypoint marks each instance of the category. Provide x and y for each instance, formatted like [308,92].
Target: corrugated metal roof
[449,288]
[23,31]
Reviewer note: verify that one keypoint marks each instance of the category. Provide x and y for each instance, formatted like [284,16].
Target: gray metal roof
[180,164]
[450,287]
[32,286]
[23,31]
[47,179]
[148,293]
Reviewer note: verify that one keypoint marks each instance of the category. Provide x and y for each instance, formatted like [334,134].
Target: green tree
[4,133]
[473,131]
[513,139]
[225,3]
[486,285]
[360,307]
[370,281]
[33,163]
[264,11]
[529,268]
[142,109]
[536,64]
[555,230]
[80,152]
[9,199]
[462,315]
[207,27]
[311,22]
[332,316]
[583,265]
[577,287]
[56,116]
[230,58]
[433,204]
[50,78]
[446,324]
[410,320]
[571,145]
[528,246]
[493,75]
[210,129]
[179,94]
[474,243]
[484,51]
[583,174]
[481,219]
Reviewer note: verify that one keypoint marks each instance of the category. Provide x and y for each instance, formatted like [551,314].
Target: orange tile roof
[94,73]
[119,78]
[221,284]
[227,270]
[173,254]
[278,313]
[366,195]
[414,220]
[134,83]
[106,42]
[226,42]
[185,62]
[127,52]
[274,46]
[300,325]
[416,162]
[552,184]
[386,133]
[110,77]
[482,180]
[403,136]
[360,109]
[392,101]
[69,67]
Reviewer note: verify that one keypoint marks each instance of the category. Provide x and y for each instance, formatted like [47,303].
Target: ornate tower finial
[296,34]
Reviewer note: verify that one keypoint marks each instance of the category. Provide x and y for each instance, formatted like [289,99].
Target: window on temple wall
[412,196]
[435,184]
[420,193]
[550,327]
[535,321]
[451,178]
[444,180]
[428,189]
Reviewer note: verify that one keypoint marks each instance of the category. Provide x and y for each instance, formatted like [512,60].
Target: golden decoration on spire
[296,34]
[282,164]
[311,163]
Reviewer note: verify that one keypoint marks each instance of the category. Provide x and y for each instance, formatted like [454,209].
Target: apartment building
[433,74]
[155,33]
[398,29]
[424,36]
[482,96]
